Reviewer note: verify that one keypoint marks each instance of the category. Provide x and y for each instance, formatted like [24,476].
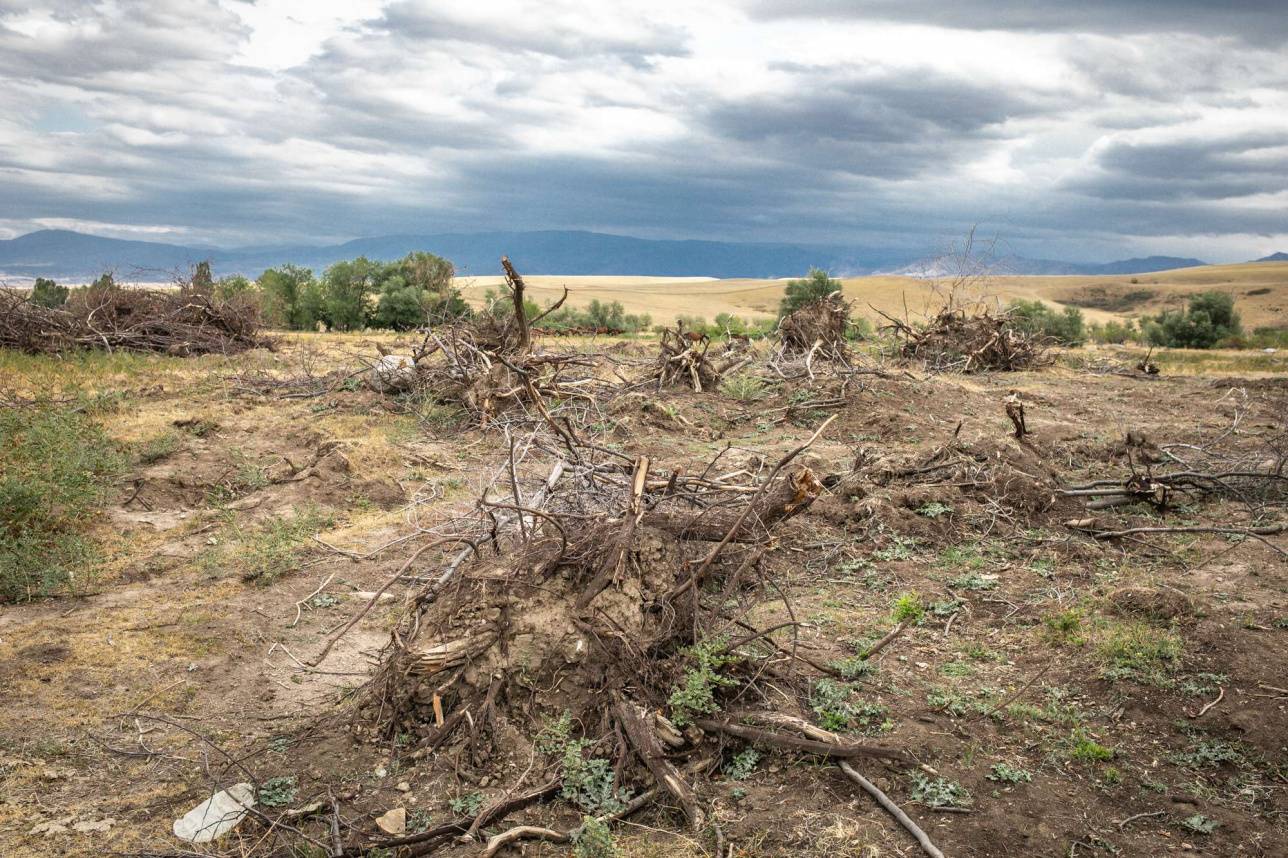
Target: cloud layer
[1115,128]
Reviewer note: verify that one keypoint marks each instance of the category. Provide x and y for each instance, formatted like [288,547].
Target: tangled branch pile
[961,341]
[682,361]
[819,326]
[456,367]
[603,613]
[186,322]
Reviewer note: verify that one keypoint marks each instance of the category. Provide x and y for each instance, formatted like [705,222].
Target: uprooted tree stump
[611,626]
[683,361]
[819,328]
[957,340]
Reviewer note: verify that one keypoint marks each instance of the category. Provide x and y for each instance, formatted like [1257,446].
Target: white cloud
[863,122]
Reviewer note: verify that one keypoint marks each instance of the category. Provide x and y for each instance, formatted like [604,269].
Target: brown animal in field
[694,337]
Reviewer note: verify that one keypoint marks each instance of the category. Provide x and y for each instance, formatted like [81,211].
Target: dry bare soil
[1072,696]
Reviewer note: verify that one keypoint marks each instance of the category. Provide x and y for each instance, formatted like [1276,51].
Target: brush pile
[185,322]
[488,364]
[682,361]
[959,341]
[597,630]
[819,326]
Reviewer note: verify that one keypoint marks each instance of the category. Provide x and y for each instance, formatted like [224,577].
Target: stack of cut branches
[488,364]
[186,322]
[456,367]
[683,361]
[817,328]
[958,341]
[614,622]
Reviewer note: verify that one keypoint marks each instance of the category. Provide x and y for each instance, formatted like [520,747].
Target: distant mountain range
[1274,257]
[67,255]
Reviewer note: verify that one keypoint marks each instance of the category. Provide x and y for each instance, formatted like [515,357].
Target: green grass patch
[271,550]
[56,467]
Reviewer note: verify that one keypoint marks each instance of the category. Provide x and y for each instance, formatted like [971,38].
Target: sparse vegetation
[56,467]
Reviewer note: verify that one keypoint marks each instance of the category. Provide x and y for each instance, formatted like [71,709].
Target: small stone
[403,786]
[380,772]
[393,822]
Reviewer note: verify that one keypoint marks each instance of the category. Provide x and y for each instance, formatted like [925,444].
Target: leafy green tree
[291,298]
[346,286]
[817,284]
[1210,318]
[47,293]
[233,286]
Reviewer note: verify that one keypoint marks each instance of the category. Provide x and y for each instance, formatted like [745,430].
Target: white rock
[216,815]
[392,373]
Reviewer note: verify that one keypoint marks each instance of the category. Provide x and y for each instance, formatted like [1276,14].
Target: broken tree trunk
[786,499]
[515,280]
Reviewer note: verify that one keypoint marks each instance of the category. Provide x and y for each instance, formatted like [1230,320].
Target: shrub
[744,388]
[817,284]
[1065,327]
[1115,332]
[696,695]
[1209,318]
[55,468]
[47,293]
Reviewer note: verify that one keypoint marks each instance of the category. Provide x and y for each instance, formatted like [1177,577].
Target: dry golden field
[1260,290]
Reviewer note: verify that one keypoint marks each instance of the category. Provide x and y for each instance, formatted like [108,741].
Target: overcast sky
[1084,131]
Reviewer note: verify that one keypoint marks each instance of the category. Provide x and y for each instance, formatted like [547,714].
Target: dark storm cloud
[1254,20]
[433,117]
[870,122]
[1209,169]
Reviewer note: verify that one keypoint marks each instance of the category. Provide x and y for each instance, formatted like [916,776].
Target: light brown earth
[167,628]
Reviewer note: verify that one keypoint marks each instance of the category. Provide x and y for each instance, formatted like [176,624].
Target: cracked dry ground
[1052,682]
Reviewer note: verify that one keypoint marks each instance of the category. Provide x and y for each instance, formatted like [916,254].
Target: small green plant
[1141,653]
[157,448]
[948,702]
[1008,774]
[696,695]
[418,820]
[744,388]
[832,702]
[853,666]
[974,581]
[555,734]
[1111,776]
[934,509]
[908,608]
[267,553]
[900,548]
[1065,628]
[588,782]
[1084,749]
[939,792]
[1209,754]
[742,765]
[278,792]
[1200,824]
[467,804]
[595,840]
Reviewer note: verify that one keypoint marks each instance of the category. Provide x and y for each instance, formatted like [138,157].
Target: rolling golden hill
[1260,290]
